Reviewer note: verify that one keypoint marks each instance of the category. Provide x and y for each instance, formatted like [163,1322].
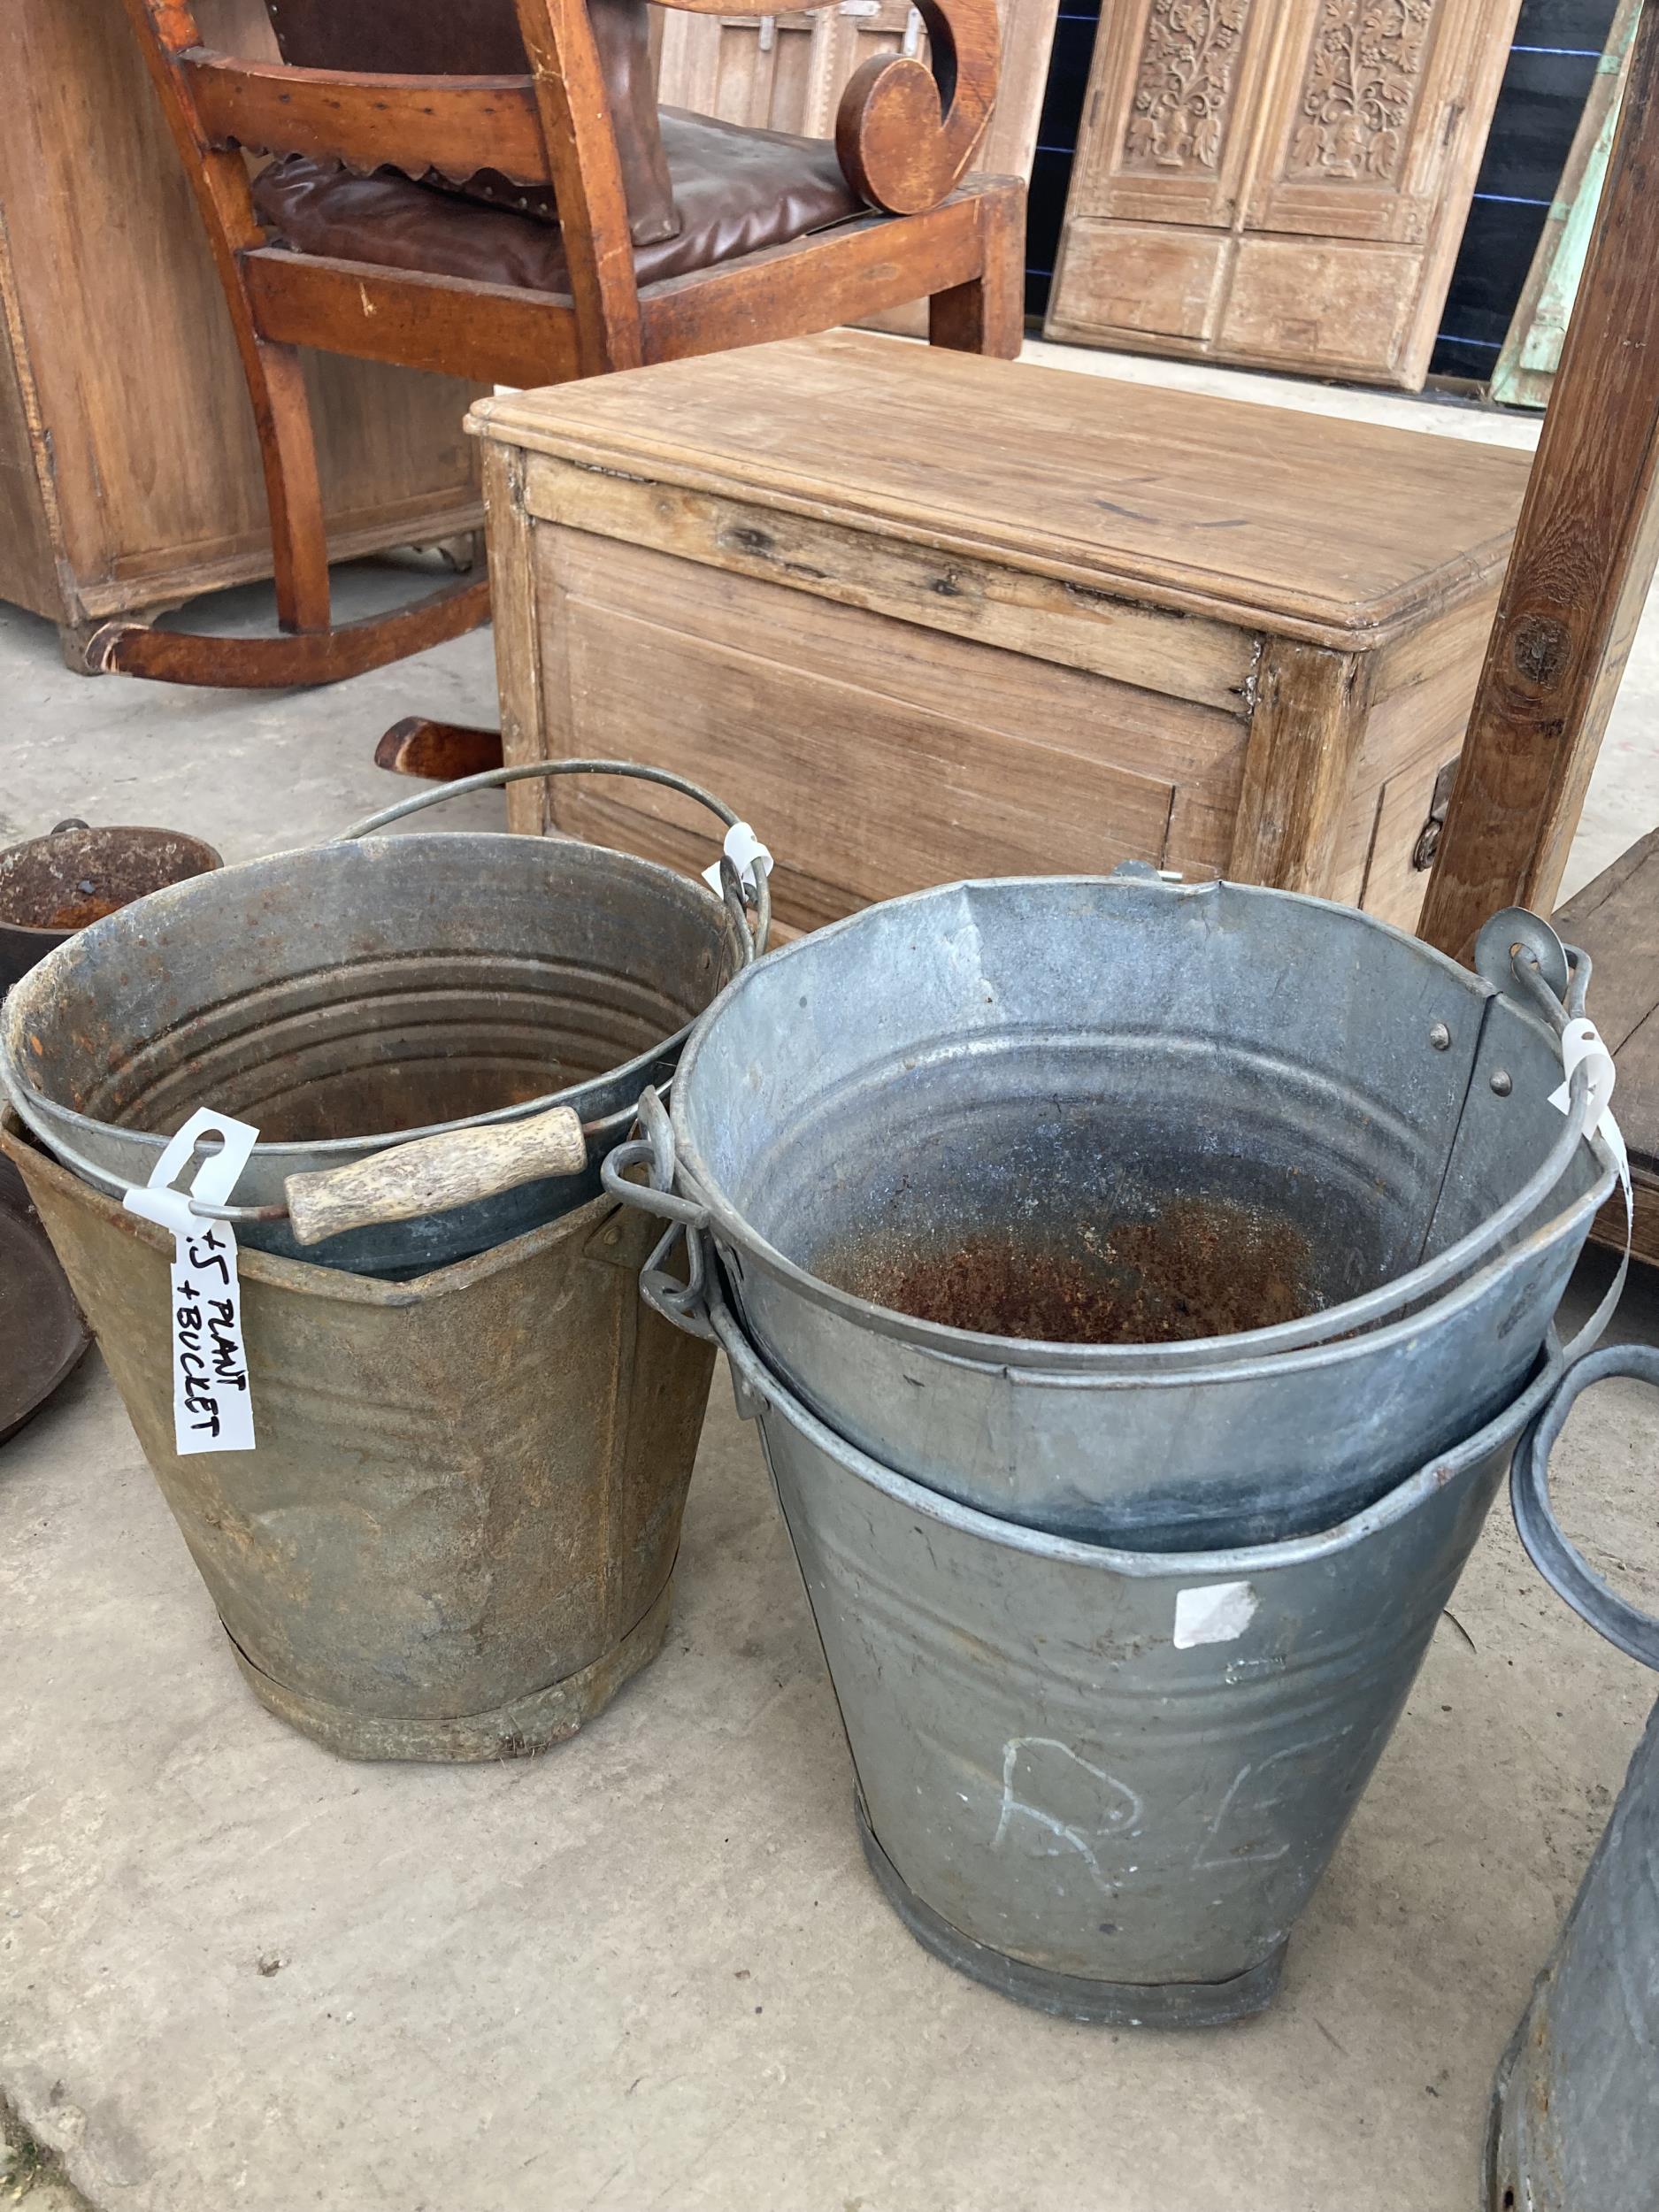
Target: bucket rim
[34,1107]
[759,1380]
[1248,1349]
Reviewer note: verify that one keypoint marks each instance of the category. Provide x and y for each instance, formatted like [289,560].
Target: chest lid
[1339,532]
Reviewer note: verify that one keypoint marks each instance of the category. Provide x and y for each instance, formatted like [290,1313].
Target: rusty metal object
[53,886]
[1107,1782]
[376,988]
[1195,1268]
[456,1536]
[42,1338]
[1173,1215]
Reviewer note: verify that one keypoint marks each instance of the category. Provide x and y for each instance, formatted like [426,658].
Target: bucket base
[1072,1996]
[511,1732]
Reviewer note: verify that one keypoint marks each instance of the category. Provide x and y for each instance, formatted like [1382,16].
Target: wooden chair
[527,225]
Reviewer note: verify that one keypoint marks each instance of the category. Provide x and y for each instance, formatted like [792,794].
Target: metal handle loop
[1556,1558]
[654,1150]
[496,779]
[686,1303]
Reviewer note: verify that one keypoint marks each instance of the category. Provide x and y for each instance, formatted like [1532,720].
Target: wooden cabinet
[786,73]
[919,615]
[129,470]
[1277,182]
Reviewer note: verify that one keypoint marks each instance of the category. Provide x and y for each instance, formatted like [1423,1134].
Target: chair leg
[988,315]
[294,492]
[314,650]
[443,751]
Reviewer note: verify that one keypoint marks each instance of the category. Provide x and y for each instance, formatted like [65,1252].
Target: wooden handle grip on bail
[432,1174]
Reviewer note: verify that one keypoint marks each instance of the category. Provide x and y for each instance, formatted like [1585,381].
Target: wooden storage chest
[920,615]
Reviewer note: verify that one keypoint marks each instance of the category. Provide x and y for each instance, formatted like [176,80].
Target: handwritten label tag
[212,1401]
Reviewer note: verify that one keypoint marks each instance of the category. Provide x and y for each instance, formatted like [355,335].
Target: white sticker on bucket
[212,1402]
[1215,1613]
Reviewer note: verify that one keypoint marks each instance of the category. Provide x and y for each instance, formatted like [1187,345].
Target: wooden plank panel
[1585,551]
[1185,655]
[1331,306]
[1145,277]
[1114,725]
[873,756]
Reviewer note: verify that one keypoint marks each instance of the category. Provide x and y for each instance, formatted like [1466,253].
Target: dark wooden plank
[494,330]
[1584,553]
[414,123]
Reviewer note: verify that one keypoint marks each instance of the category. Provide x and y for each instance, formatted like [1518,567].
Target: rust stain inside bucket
[1201,1267]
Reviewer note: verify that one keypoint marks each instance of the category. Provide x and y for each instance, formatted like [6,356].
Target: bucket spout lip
[760,1387]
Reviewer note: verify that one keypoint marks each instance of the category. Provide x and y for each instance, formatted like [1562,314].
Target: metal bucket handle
[735,890]
[690,1218]
[1551,1550]
[432,1174]
[685,1303]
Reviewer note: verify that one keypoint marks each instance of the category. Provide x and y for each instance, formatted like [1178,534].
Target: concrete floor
[649,1969]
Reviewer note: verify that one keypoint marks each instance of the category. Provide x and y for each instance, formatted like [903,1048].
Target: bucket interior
[369,990]
[1100,1113]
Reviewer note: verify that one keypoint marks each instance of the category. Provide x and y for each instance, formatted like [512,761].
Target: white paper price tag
[212,1402]
[1581,1040]
[746,853]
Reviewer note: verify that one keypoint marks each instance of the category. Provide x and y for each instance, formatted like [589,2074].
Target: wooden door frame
[1585,554]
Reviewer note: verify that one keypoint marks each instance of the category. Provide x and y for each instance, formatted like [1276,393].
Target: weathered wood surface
[1616,919]
[1280,183]
[1170,499]
[432,1174]
[1585,554]
[917,616]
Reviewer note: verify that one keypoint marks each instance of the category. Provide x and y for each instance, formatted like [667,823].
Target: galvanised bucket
[456,1537]
[1104,1782]
[1575,2112]
[1172,1216]
[369,993]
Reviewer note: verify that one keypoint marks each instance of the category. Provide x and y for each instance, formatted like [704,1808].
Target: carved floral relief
[1363,74]
[1187,61]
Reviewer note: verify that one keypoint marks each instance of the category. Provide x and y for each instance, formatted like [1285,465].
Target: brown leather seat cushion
[737,190]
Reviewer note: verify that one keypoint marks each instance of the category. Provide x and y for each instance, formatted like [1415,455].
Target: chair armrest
[906,131]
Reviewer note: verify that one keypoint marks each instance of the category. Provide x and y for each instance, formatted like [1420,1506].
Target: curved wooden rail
[905,132]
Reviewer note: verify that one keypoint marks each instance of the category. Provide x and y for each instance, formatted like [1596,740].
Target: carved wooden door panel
[1280,182]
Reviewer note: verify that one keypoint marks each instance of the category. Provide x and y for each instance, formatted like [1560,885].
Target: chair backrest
[395,38]
[483,38]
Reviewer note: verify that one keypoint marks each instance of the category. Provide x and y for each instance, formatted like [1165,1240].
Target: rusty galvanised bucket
[456,1535]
